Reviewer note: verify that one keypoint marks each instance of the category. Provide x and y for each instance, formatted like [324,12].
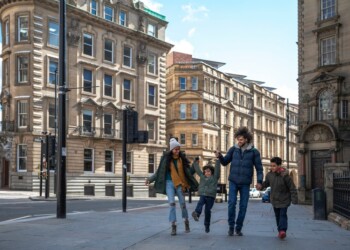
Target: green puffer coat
[208,185]
[159,178]
[283,190]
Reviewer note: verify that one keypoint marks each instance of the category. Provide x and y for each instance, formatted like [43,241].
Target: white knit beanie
[174,143]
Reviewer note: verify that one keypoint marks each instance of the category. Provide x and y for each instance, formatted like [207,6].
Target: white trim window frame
[94,7]
[152,95]
[23,28]
[328,51]
[108,13]
[108,85]
[109,161]
[151,130]
[182,111]
[88,44]
[127,56]
[51,115]
[88,77]
[107,124]
[53,34]
[7,33]
[87,121]
[194,82]
[52,68]
[194,139]
[22,113]
[23,69]
[152,29]
[21,158]
[152,64]
[109,50]
[127,90]
[182,82]
[122,18]
[194,111]
[88,160]
[327,9]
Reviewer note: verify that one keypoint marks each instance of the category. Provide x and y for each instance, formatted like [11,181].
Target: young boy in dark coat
[207,191]
[283,192]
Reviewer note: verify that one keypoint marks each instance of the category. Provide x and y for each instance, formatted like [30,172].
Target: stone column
[302,175]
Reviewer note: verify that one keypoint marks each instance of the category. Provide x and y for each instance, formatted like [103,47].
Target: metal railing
[341,193]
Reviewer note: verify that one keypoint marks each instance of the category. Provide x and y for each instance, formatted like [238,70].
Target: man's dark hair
[244,131]
[276,160]
[210,167]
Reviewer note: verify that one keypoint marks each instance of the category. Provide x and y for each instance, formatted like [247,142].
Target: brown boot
[187,226]
[173,229]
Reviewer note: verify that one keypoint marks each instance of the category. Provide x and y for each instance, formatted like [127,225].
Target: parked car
[254,193]
[266,196]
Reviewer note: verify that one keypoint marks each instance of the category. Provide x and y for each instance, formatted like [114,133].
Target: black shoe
[207,229]
[239,233]
[195,216]
[230,231]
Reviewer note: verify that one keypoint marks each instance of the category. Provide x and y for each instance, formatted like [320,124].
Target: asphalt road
[17,208]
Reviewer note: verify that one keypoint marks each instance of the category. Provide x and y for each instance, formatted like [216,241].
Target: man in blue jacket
[243,156]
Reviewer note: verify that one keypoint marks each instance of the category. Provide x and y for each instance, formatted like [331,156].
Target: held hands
[217,154]
[258,186]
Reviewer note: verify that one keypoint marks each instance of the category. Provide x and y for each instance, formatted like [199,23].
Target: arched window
[325,105]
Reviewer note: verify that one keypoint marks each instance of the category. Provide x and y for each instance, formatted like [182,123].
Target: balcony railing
[96,132]
[7,126]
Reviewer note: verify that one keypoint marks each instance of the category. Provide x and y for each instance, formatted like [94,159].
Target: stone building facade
[116,57]
[205,106]
[324,92]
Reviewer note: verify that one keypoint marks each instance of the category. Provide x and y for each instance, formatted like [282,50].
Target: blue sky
[256,38]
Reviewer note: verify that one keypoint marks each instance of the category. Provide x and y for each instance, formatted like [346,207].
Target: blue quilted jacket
[242,162]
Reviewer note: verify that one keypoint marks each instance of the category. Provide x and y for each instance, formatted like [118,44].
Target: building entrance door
[5,174]
[318,159]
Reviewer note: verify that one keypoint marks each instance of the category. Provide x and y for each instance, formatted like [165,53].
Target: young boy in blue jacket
[207,191]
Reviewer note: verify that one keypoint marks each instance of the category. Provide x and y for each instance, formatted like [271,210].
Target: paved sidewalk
[148,228]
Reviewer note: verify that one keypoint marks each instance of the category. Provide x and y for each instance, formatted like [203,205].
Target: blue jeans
[170,192]
[281,218]
[243,204]
[209,203]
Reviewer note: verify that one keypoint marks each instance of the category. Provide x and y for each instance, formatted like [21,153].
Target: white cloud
[183,46]
[194,13]
[153,5]
[191,32]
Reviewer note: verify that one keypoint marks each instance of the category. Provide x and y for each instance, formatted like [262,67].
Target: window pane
[87,121]
[53,33]
[87,44]
[182,111]
[152,95]
[127,56]
[107,124]
[182,83]
[108,13]
[51,115]
[108,83]
[122,18]
[23,64]
[87,80]
[151,30]
[23,25]
[152,64]
[22,157]
[194,111]
[194,83]
[22,114]
[109,161]
[151,163]
[151,130]
[93,7]
[127,90]
[88,160]
[109,50]
[53,68]
[328,51]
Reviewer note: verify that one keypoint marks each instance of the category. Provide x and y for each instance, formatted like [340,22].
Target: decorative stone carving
[73,34]
[319,134]
[141,24]
[142,55]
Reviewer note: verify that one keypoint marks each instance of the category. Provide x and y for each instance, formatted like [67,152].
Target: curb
[339,220]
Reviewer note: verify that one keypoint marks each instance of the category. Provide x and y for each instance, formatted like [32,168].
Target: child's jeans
[209,203]
[281,218]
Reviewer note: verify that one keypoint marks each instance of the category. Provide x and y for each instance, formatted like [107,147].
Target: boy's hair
[244,131]
[276,160]
[210,167]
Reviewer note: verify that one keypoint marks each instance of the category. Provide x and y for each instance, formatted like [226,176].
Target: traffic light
[132,126]
[51,145]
